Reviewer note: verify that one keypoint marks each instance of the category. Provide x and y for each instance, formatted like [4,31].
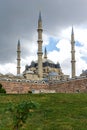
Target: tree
[20,113]
[2,90]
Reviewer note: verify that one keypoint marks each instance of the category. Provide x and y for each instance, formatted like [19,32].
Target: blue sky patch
[78,44]
[84,58]
[52,44]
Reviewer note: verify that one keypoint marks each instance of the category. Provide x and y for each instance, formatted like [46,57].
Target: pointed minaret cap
[18,42]
[72,30]
[45,53]
[40,19]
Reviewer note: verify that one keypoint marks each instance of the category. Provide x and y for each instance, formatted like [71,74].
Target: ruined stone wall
[71,86]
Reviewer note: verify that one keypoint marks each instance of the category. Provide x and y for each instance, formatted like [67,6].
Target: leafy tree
[2,90]
[20,113]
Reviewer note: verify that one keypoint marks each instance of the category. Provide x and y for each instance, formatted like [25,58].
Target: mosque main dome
[49,67]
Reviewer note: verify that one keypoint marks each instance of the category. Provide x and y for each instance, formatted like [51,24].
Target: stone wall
[71,86]
[22,87]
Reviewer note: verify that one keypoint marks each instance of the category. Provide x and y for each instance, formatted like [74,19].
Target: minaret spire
[73,73]
[72,31]
[40,19]
[45,53]
[40,41]
[18,57]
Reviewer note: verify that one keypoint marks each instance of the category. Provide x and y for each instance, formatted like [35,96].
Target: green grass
[56,111]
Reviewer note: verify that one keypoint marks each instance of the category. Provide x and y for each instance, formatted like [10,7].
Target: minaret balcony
[40,40]
[73,51]
[73,61]
[40,29]
[18,59]
[40,52]
[18,67]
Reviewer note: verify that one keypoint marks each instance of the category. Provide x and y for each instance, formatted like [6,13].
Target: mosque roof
[29,72]
[1,74]
[10,74]
[53,74]
[19,75]
[45,60]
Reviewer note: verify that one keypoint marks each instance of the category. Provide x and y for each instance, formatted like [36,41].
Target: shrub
[2,90]
[20,113]
[29,91]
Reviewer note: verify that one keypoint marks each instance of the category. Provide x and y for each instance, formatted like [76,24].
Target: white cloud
[8,68]
[45,39]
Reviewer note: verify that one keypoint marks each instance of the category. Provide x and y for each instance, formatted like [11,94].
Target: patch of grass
[56,111]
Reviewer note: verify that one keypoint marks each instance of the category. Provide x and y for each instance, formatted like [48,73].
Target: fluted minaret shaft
[40,41]
[18,57]
[73,71]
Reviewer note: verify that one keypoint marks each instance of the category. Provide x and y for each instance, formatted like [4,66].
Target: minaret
[40,41]
[18,57]
[45,53]
[73,73]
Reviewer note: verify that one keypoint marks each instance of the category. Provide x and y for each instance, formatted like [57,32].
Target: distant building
[84,73]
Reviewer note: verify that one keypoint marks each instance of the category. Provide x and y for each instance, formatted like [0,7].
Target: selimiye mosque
[44,68]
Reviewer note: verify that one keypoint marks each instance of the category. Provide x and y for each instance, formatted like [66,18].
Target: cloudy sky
[18,20]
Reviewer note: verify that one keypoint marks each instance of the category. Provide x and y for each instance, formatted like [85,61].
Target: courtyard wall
[70,86]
